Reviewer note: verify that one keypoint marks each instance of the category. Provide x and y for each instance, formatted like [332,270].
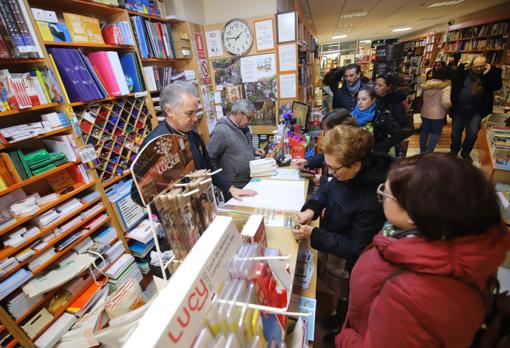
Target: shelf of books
[74,109]
[487,36]
[494,147]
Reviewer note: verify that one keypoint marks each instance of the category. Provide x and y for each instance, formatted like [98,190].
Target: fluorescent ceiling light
[366,41]
[336,37]
[445,3]
[354,14]
[402,29]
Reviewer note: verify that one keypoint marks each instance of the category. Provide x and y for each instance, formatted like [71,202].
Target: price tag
[140,94]
[87,153]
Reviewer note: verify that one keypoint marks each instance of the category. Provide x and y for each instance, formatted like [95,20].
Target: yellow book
[44,29]
[2,183]
[57,74]
[83,29]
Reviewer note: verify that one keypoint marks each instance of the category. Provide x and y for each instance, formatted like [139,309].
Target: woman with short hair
[351,214]
[420,282]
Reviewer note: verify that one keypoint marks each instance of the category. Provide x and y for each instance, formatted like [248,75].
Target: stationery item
[86,300]
[13,282]
[114,252]
[104,236]
[132,71]
[125,299]
[254,230]
[143,231]
[35,324]
[54,32]
[67,270]
[120,266]
[24,255]
[263,167]
[118,33]
[154,38]
[55,332]
[19,303]
[83,29]
[41,259]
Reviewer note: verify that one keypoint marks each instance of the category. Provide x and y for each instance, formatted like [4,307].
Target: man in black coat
[180,103]
[347,96]
[472,99]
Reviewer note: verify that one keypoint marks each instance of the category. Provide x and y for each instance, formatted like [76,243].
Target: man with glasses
[472,99]
[230,145]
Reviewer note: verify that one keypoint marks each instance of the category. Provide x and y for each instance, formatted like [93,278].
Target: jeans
[471,122]
[430,128]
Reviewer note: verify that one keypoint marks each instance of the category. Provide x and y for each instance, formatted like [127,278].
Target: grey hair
[172,94]
[243,106]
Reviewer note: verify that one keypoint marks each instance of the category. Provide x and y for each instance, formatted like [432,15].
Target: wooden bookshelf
[74,104]
[8,251]
[50,244]
[21,220]
[156,18]
[37,178]
[33,108]
[41,136]
[88,45]
[78,6]
[116,179]
[22,61]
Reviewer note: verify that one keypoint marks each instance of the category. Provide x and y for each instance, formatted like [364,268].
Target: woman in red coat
[413,286]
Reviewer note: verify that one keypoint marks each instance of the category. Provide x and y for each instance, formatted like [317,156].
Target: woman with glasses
[421,281]
[351,215]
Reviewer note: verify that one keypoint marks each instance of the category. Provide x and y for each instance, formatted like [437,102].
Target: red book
[101,64]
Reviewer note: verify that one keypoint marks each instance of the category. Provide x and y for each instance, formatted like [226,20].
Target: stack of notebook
[263,167]
[36,162]
[19,303]
[122,270]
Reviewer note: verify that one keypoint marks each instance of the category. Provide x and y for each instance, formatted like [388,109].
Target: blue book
[87,82]
[142,36]
[67,73]
[99,86]
[129,67]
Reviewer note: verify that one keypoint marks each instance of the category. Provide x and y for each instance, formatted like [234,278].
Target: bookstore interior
[111,236]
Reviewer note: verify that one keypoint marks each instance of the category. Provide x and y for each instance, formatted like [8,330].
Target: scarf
[476,83]
[354,89]
[363,117]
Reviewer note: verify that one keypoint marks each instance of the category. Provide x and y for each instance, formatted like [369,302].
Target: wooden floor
[444,141]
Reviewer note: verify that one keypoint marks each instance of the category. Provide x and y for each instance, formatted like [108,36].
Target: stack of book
[154,38]
[28,89]
[13,282]
[49,122]
[104,236]
[33,163]
[118,33]
[139,249]
[18,303]
[122,270]
[263,167]
[18,38]
[498,136]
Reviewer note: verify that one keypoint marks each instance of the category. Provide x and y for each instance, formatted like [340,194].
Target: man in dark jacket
[347,96]
[230,145]
[472,99]
[180,103]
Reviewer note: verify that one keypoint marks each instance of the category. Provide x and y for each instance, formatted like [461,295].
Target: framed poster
[264,34]
[287,85]
[287,57]
[286,24]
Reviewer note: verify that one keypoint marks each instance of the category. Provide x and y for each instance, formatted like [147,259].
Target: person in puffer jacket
[415,284]
[436,102]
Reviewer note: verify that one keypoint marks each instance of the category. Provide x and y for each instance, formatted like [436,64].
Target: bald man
[472,99]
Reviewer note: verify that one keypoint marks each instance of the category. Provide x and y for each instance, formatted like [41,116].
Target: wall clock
[237,37]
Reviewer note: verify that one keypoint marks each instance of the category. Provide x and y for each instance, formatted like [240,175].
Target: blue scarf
[354,89]
[363,117]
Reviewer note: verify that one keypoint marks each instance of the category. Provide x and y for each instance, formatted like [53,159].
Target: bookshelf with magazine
[53,206]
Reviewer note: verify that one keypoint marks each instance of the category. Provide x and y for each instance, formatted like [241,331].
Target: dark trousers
[430,133]
[471,123]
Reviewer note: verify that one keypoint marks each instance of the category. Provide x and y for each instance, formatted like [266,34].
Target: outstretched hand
[239,193]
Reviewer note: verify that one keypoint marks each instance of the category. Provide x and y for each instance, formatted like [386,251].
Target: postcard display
[225,291]
[182,198]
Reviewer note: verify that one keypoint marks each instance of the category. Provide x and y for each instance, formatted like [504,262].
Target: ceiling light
[336,37]
[402,29]
[354,14]
[445,3]
[365,41]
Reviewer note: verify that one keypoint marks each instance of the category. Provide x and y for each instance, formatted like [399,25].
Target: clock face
[237,37]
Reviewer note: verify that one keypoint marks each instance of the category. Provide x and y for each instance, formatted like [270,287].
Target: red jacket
[421,307]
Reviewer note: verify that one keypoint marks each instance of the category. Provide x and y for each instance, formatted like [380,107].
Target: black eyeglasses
[333,170]
[382,195]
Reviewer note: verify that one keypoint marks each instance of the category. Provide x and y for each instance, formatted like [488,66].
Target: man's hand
[300,163]
[302,232]
[260,152]
[238,193]
[305,217]
[487,68]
